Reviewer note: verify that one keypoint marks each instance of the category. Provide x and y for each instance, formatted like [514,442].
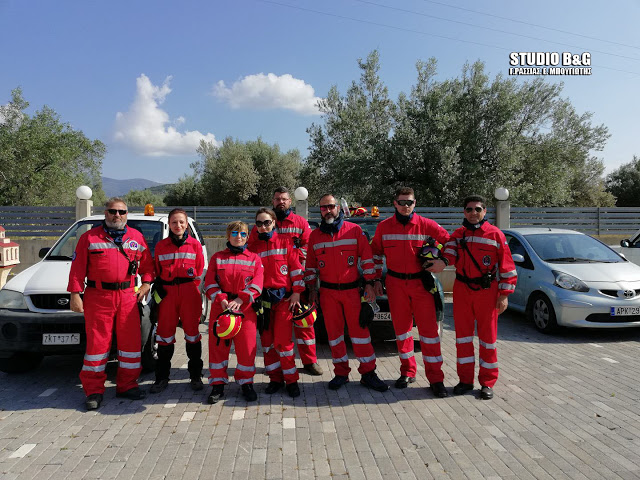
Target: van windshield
[64,248]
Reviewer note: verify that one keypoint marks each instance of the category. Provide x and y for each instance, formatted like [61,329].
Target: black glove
[366,314]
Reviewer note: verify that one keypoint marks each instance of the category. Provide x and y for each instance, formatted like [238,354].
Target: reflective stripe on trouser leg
[402,318]
[129,341]
[360,337]
[306,339]
[424,311]
[98,316]
[245,346]
[272,364]
[484,304]
[464,322]
[281,319]
[334,321]
[218,353]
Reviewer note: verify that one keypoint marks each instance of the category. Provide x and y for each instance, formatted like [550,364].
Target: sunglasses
[266,223]
[405,203]
[235,233]
[113,211]
[330,206]
[470,209]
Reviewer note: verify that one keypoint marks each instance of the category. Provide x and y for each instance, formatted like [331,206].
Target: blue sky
[151,78]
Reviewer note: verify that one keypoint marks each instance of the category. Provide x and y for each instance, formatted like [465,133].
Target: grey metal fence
[52,221]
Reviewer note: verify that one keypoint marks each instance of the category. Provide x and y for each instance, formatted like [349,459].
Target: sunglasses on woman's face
[470,209]
[405,203]
[235,233]
[266,223]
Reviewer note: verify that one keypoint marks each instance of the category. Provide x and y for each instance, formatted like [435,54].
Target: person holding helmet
[283,284]
[400,239]
[335,249]
[233,282]
[288,224]
[109,256]
[485,277]
[179,264]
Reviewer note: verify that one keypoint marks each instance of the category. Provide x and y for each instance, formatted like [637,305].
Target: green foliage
[236,173]
[624,184]
[448,139]
[42,160]
[139,198]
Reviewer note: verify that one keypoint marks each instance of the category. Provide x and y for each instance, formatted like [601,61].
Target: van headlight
[569,282]
[12,299]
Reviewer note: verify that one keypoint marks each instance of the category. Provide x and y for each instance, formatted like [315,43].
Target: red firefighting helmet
[228,324]
[358,211]
[430,250]
[305,315]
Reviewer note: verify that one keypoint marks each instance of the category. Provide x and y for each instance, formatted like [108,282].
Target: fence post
[83,202]
[302,205]
[598,221]
[503,208]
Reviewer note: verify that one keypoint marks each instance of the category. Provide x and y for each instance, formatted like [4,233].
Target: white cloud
[147,129]
[262,91]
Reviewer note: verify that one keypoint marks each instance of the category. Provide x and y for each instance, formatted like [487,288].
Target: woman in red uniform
[179,265]
[283,284]
[233,282]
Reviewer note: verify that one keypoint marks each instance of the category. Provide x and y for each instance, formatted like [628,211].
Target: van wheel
[149,355]
[20,362]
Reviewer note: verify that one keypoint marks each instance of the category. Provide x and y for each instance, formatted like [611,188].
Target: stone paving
[566,406]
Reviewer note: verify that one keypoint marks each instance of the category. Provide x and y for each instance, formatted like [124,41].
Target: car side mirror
[625,243]
[517,258]
[43,252]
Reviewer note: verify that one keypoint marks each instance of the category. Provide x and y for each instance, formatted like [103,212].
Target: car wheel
[206,309]
[20,362]
[321,330]
[149,355]
[542,314]
[382,331]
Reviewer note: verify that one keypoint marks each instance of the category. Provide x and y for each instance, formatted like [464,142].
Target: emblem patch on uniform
[486,260]
[190,272]
[351,260]
[283,270]
[320,263]
[247,281]
[133,245]
[73,257]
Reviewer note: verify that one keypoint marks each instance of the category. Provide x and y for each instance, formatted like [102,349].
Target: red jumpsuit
[282,269]
[232,275]
[183,266]
[110,297]
[472,303]
[297,228]
[334,259]
[408,299]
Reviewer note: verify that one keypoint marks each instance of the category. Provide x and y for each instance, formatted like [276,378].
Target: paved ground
[566,406]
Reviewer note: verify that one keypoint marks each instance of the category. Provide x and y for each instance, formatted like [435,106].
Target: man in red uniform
[334,250]
[109,256]
[400,238]
[297,228]
[485,277]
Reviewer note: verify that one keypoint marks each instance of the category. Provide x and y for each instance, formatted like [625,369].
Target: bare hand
[76,304]
[502,303]
[143,291]
[377,289]
[234,305]
[294,301]
[437,266]
[369,295]
[224,304]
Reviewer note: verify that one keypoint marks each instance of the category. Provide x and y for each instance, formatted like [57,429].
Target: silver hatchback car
[567,278]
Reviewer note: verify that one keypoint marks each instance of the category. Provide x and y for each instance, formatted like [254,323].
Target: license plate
[624,311]
[382,316]
[61,339]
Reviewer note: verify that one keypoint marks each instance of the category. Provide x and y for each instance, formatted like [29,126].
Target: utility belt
[175,281]
[340,286]
[405,276]
[109,285]
[484,281]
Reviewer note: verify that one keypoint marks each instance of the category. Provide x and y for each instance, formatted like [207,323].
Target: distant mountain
[114,188]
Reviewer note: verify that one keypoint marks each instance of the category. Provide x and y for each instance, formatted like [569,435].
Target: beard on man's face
[116,224]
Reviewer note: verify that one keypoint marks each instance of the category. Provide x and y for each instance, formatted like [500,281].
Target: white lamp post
[302,205]
[84,203]
[503,208]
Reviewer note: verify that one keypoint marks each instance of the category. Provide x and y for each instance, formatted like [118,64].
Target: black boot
[194,352]
[163,367]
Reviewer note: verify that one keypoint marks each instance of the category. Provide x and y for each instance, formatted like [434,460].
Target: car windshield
[63,250]
[571,248]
